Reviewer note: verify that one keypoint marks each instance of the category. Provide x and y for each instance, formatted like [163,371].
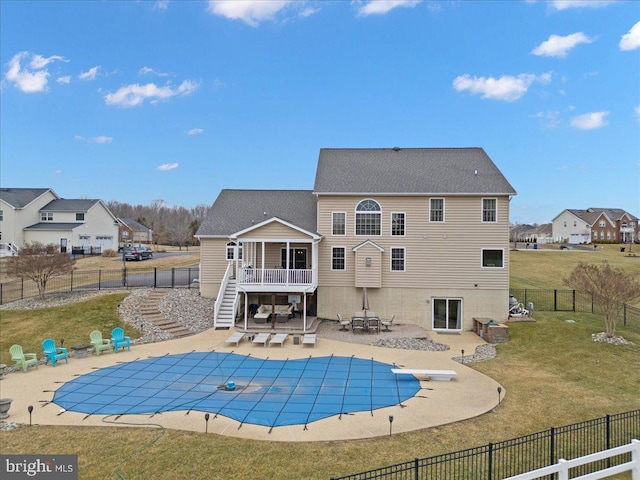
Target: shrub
[109,252]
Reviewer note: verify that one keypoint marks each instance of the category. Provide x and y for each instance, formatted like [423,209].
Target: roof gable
[21,197]
[410,171]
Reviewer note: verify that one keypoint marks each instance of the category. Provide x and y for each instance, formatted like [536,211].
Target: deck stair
[226,314]
[151,313]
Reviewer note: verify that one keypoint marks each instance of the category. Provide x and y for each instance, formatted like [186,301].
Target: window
[397,259]
[601,223]
[492,258]
[601,235]
[1,215]
[564,224]
[436,210]
[575,223]
[46,216]
[339,223]
[489,210]
[79,217]
[338,258]
[234,252]
[397,224]
[368,214]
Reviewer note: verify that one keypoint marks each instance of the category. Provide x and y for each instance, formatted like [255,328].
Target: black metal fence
[511,457]
[571,301]
[102,280]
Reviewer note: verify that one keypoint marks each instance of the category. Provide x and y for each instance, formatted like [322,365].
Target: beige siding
[368,276]
[16,220]
[274,230]
[213,264]
[446,253]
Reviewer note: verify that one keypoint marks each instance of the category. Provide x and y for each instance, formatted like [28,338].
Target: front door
[447,313]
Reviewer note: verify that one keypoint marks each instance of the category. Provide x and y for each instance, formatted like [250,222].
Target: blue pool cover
[267,392]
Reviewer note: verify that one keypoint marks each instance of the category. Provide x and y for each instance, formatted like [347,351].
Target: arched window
[234,252]
[368,217]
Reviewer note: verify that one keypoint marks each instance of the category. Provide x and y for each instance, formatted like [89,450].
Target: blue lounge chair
[53,353]
[119,339]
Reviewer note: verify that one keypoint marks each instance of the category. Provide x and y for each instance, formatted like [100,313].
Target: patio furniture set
[282,312]
[265,339]
[53,353]
[365,322]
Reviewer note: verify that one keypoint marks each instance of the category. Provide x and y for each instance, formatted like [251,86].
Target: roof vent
[396,149]
[475,172]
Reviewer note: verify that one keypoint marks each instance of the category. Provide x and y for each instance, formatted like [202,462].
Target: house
[29,215]
[422,233]
[531,233]
[595,225]
[130,231]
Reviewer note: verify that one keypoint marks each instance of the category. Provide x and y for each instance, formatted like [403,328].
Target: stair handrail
[223,288]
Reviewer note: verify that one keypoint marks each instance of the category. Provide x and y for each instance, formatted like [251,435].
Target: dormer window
[368,217]
[46,216]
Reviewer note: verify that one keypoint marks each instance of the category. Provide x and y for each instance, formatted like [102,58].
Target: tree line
[171,225]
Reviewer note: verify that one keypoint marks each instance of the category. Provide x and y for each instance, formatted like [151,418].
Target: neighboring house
[532,233]
[130,231]
[595,224]
[39,215]
[424,231]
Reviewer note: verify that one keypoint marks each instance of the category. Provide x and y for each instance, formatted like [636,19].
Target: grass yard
[553,373]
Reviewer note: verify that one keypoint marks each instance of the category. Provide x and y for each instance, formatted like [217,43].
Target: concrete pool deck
[470,394]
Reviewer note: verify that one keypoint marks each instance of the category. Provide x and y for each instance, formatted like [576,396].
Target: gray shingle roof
[21,197]
[53,226]
[236,210]
[132,224]
[409,171]
[69,205]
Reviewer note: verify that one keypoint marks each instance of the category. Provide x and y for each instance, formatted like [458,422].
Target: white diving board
[435,375]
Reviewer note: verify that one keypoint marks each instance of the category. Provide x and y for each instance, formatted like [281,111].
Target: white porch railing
[274,276]
[223,286]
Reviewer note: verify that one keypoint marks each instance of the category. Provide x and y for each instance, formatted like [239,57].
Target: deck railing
[274,276]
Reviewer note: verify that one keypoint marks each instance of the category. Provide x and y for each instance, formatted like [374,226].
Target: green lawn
[553,372]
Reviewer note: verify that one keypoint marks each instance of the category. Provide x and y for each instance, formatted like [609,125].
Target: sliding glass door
[447,313]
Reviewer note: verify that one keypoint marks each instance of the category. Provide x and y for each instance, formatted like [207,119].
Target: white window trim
[345,225]
[488,267]
[404,230]
[344,249]
[404,257]
[443,210]
[461,314]
[482,210]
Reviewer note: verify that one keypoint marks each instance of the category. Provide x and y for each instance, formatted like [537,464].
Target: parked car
[139,252]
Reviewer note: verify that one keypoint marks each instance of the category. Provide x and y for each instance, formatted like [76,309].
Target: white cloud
[637,110]
[507,88]
[195,131]
[136,94]
[382,7]
[161,5]
[145,70]
[168,166]
[566,4]
[590,121]
[251,12]
[307,12]
[66,79]
[631,39]
[89,74]
[101,139]
[557,46]
[31,78]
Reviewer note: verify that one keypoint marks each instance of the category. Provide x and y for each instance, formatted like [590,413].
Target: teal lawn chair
[119,339]
[99,344]
[53,353]
[21,359]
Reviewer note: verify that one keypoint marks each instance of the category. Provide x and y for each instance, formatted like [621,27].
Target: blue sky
[137,101]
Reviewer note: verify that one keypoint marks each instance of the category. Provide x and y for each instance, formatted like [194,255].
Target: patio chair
[53,353]
[343,322]
[373,324]
[235,337]
[357,324]
[119,339]
[21,359]
[99,344]
[387,323]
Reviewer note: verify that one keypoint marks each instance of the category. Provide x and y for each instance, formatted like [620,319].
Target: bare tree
[610,287]
[40,263]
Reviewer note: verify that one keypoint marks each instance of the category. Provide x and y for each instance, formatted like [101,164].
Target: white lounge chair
[387,323]
[309,339]
[262,338]
[236,337]
[343,322]
[278,339]
[435,375]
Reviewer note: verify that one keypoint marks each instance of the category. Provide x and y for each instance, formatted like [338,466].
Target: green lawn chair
[23,360]
[119,339]
[99,344]
[53,353]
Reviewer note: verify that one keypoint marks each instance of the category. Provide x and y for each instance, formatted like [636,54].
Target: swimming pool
[252,390]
